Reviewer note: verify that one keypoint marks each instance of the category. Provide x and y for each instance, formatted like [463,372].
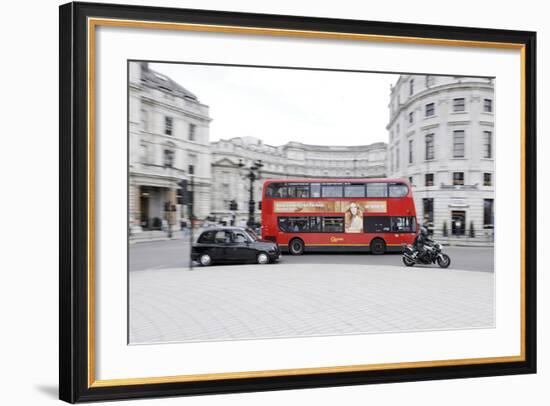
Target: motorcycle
[432,255]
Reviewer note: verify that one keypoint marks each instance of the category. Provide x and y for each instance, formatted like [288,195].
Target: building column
[135,209]
[171,215]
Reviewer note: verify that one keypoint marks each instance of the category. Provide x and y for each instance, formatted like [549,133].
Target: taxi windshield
[252,234]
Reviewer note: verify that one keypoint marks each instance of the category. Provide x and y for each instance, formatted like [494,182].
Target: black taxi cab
[218,245]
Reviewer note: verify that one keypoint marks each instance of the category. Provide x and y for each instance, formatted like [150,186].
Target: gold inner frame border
[95,22]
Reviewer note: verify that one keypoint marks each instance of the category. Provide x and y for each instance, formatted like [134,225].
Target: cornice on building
[301,146]
[147,98]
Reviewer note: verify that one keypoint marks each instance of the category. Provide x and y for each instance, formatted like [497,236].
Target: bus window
[315,190]
[299,190]
[377,190]
[403,224]
[354,190]
[315,224]
[376,224]
[333,224]
[294,224]
[332,189]
[276,190]
[398,190]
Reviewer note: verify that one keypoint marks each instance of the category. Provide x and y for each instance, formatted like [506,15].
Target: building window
[429,147]
[411,87]
[411,151]
[430,109]
[144,120]
[411,180]
[192,163]
[487,144]
[488,213]
[192,130]
[168,125]
[458,144]
[411,117]
[429,179]
[459,104]
[487,179]
[144,153]
[428,211]
[168,158]
[397,130]
[458,178]
[488,105]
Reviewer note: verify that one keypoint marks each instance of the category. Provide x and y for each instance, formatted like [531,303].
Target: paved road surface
[293,300]
[308,295]
[174,254]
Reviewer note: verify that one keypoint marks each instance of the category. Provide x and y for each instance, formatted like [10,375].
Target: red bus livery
[376,215]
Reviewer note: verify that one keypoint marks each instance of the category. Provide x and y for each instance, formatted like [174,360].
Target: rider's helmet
[423,230]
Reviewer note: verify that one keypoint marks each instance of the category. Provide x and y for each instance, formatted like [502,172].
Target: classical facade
[168,142]
[291,160]
[441,137]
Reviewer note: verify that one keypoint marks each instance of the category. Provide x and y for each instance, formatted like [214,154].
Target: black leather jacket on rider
[420,241]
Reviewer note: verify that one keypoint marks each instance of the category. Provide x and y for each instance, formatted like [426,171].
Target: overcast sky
[282,105]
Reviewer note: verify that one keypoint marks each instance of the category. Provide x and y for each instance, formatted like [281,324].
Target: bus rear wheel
[296,246]
[377,246]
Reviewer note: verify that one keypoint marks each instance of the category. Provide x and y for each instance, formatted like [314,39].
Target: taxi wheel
[205,260]
[262,258]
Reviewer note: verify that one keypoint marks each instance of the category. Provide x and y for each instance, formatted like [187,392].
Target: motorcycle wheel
[407,261]
[443,261]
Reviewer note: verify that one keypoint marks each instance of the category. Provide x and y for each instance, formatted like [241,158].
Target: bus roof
[338,180]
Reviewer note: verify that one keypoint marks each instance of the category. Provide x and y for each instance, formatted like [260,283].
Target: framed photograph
[259,202]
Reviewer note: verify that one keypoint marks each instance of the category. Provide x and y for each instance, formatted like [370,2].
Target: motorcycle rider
[420,241]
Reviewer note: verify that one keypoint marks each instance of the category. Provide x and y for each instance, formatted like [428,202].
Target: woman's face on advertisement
[353,209]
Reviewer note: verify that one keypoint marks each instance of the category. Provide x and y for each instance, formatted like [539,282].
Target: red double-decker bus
[373,215]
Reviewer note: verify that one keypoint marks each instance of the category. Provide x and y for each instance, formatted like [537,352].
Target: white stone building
[168,142]
[441,137]
[291,160]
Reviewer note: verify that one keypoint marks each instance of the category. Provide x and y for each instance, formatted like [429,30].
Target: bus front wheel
[296,246]
[377,246]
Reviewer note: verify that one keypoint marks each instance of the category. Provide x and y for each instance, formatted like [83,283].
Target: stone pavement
[290,300]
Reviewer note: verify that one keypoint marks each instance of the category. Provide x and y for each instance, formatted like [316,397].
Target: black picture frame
[74,380]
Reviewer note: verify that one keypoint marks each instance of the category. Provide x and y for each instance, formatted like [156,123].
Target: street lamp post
[191,201]
[252,175]
[187,188]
